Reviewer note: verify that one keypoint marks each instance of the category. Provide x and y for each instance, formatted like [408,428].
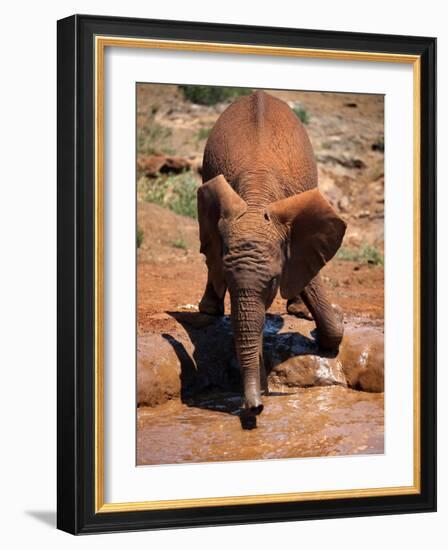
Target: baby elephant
[264,225]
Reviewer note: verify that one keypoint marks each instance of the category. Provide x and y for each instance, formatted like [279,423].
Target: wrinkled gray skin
[264,225]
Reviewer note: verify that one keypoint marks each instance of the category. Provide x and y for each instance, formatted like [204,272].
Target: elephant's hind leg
[329,323]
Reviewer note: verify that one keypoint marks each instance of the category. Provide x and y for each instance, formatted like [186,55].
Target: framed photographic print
[246,274]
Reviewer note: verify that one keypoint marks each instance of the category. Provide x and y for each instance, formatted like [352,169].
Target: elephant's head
[259,250]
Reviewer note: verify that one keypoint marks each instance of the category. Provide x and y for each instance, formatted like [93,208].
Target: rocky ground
[188,396]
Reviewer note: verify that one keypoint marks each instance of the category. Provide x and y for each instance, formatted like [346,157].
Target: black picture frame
[76,254]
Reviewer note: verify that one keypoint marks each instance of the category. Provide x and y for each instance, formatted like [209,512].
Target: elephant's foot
[298,308]
[211,303]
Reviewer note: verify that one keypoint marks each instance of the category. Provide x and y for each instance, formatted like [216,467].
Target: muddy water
[308,422]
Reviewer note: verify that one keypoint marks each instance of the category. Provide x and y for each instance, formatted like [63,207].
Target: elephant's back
[259,134]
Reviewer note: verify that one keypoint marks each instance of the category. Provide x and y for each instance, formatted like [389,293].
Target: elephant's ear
[217,201]
[315,233]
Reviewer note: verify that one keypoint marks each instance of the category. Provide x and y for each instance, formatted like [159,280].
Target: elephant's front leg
[329,322]
[212,301]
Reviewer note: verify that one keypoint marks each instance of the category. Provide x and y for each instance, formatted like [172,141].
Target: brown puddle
[301,422]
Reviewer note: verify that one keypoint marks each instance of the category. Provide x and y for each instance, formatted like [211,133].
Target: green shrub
[176,192]
[140,236]
[203,133]
[366,254]
[211,95]
[302,114]
[180,243]
[151,137]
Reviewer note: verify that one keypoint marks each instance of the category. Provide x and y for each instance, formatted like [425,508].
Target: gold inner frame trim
[101,42]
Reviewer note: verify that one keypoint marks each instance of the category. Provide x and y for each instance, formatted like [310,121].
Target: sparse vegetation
[203,133]
[180,243]
[302,114]
[211,95]
[366,254]
[140,236]
[152,136]
[176,192]
[375,170]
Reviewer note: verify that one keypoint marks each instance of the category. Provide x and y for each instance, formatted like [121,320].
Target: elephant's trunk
[248,315]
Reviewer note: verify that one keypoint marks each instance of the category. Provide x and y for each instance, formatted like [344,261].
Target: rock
[158,371]
[344,203]
[199,355]
[362,357]
[152,165]
[363,214]
[196,163]
[346,162]
[306,370]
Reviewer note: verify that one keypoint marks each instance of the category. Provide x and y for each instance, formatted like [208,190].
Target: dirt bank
[198,355]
